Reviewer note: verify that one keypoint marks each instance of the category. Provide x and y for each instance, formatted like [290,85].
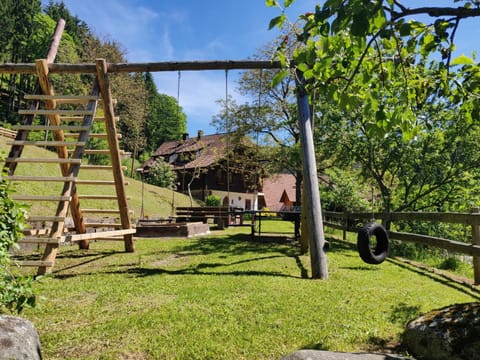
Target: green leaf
[271,3]
[287,3]
[276,21]
[462,60]
[279,77]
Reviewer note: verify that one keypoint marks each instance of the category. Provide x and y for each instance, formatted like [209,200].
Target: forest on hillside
[147,118]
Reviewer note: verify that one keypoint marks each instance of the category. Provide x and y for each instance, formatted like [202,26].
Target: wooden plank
[41,178]
[100,225]
[35,263]
[80,118]
[98,182]
[63,99]
[45,218]
[45,160]
[40,198]
[447,244]
[98,197]
[46,143]
[99,167]
[100,211]
[95,235]
[51,127]
[91,135]
[40,240]
[55,112]
[99,152]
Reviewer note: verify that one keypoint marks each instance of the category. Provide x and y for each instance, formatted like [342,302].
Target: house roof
[276,188]
[210,149]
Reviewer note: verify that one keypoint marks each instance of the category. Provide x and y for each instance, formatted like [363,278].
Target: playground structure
[70,143]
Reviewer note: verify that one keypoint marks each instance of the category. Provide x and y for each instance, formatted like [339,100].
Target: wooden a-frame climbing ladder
[70,142]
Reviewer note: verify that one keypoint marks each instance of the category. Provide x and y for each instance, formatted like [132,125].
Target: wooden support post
[103,82]
[304,233]
[318,257]
[476,241]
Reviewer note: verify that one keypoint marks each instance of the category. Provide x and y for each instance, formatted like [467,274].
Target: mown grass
[226,296]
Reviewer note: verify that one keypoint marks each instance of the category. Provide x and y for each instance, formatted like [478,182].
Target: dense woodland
[147,118]
[399,133]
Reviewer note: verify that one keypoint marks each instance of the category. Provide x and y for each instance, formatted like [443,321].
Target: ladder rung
[98,182]
[55,112]
[96,235]
[80,118]
[41,198]
[40,178]
[50,127]
[39,240]
[93,151]
[45,218]
[35,263]
[100,225]
[69,99]
[91,135]
[101,211]
[96,167]
[98,197]
[46,143]
[47,160]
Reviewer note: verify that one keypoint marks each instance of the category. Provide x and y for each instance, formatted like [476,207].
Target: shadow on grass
[224,247]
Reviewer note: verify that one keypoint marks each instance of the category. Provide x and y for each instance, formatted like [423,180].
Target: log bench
[219,214]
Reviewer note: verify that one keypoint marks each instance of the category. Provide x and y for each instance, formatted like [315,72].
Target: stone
[452,333]
[328,355]
[18,339]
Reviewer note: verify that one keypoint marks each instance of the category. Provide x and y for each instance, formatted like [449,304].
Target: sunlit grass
[226,296]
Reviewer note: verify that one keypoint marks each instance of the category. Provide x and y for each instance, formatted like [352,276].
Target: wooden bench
[219,214]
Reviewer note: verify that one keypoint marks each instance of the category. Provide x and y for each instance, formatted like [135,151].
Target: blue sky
[185,30]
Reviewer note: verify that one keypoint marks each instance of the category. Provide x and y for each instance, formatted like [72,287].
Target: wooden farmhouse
[217,164]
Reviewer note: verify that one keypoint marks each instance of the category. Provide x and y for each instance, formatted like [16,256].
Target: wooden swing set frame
[101,92]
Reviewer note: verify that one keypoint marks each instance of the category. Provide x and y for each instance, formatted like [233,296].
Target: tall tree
[165,120]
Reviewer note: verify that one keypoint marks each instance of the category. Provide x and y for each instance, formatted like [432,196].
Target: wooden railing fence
[347,221]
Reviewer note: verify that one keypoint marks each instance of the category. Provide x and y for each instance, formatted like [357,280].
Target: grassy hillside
[157,201]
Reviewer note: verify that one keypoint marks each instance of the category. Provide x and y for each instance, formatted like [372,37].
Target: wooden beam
[104,84]
[146,67]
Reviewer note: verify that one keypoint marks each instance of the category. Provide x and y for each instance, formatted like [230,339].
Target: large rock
[451,333]
[18,339]
[328,355]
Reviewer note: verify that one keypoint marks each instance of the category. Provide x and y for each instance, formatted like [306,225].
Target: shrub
[16,292]
[161,174]
[213,200]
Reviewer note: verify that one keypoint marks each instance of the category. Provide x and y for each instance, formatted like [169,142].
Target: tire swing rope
[368,254]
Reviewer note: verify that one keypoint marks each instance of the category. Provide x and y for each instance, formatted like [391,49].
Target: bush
[213,200]
[161,174]
[16,292]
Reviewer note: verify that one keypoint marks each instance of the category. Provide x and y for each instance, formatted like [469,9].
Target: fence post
[345,229]
[476,241]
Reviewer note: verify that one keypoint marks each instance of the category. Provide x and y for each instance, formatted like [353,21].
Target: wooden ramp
[64,125]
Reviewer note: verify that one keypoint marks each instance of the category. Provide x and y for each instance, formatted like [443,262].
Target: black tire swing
[368,254]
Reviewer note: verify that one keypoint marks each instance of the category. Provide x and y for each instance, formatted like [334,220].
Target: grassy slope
[226,297]
[157,201]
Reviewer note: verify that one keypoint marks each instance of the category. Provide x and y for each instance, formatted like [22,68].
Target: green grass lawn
[226,296]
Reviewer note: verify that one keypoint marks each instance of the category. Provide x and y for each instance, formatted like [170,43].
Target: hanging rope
[257,136]
[178,102]
[174,187]
[227,129]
